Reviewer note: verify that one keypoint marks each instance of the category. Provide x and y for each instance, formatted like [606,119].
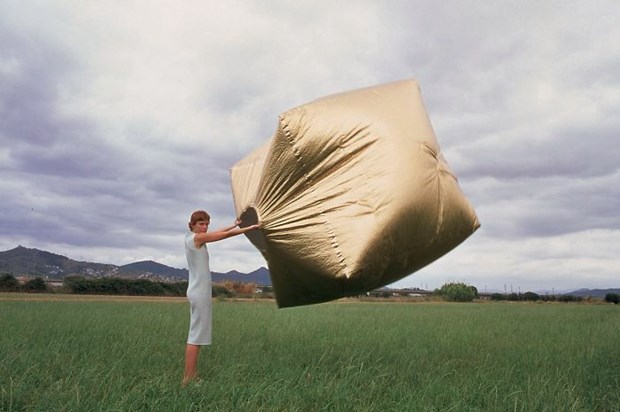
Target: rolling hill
[22,261]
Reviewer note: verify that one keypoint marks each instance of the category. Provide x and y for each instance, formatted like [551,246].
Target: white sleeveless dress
[198,292]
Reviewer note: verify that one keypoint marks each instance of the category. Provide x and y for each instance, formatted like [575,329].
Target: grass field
[69,353]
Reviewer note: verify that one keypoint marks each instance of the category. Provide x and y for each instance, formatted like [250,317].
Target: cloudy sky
[119,118]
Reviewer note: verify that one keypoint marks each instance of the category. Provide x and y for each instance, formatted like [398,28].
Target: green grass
[107,355]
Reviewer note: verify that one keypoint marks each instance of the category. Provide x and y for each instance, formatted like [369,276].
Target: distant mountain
[595,293]
[33,262]
[148,266]
[259,276]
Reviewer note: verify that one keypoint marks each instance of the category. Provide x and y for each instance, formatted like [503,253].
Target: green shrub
[612,298]
[458,292]
[531,296]
[570,298]
[8,283]
[221,291]
[120,286]
[35,285]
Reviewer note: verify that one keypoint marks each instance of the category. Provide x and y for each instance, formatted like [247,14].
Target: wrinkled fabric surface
[353,194]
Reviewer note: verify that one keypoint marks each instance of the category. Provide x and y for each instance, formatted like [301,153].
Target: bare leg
[191,361]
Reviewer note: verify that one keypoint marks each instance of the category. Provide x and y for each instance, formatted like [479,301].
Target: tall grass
[97,355]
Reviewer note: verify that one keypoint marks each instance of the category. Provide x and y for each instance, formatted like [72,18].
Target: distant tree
[612,298]
[76,284]
[515,297]
[531,296]
[8,283]
[241,288]
[174,288]
[35,285]
[458,292]
[498,296]
[570,298]
[120,286]
[221,290]
[142,287]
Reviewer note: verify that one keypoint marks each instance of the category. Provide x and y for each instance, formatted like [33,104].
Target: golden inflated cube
[353,194]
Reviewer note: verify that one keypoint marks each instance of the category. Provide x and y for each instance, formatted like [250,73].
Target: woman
[199,288]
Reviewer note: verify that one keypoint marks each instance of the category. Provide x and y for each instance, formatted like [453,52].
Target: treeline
[95,286]
[452,292]
[534,297]
[120,286]
[461,292]
[8,283]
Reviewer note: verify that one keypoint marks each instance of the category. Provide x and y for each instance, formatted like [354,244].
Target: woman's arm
[224,233]
[227,228]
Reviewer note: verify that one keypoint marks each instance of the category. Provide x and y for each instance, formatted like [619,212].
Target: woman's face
[201,226]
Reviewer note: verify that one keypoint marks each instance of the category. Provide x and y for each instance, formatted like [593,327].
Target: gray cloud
[117,121]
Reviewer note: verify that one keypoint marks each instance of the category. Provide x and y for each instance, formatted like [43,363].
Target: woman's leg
[191,361]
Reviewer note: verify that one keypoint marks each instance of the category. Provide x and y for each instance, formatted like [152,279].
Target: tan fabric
[353,194]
